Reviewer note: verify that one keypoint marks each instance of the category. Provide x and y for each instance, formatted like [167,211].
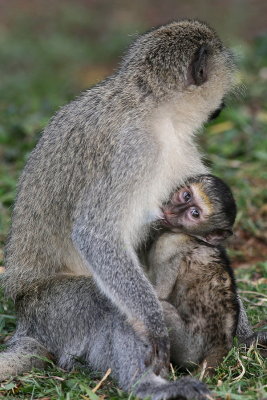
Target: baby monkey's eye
[195,213]
[187,196]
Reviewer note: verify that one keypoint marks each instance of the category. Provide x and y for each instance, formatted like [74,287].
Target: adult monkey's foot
[184,389]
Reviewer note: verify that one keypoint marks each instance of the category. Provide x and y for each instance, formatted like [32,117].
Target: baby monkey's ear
[219,235]
[199,66]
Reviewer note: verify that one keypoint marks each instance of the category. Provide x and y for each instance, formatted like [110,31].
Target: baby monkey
[192,274]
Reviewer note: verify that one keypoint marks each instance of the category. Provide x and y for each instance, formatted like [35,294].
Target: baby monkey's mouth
[170,219]
[164,221]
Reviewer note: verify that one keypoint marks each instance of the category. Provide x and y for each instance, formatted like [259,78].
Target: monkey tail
[21,355]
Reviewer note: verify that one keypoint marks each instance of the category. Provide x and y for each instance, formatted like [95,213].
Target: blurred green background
[51,50]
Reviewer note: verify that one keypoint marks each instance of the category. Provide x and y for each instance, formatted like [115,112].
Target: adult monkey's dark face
[217,112]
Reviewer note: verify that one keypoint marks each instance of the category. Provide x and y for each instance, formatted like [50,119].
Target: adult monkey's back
[107,161]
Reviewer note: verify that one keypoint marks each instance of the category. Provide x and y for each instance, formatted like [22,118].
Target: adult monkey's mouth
[217,112]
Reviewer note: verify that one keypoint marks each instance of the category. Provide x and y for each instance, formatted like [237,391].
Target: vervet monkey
[193,277]
[67,317]
[123,145]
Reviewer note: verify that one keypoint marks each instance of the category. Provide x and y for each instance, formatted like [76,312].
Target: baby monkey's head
[204,208]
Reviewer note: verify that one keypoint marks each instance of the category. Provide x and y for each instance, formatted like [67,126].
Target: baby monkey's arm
[165,256]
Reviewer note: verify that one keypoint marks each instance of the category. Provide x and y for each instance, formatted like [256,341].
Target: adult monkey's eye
[187,196]
[195,213]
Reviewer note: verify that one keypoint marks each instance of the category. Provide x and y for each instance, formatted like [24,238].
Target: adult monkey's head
[185,63]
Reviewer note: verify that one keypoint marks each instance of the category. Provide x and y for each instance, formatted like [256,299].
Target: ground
[44,70]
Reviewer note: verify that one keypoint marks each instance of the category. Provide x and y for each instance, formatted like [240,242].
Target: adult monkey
[125,144]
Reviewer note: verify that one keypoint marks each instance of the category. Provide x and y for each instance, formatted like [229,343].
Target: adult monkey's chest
[175,161]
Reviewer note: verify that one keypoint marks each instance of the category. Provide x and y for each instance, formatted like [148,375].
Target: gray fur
[123,145]
[244,330]
[71,318]
[21,356]
[245,333]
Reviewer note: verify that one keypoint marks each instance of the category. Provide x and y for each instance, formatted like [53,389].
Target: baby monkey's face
[187,209]
[192,211]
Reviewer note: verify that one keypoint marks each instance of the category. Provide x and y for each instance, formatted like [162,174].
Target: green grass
[43,67]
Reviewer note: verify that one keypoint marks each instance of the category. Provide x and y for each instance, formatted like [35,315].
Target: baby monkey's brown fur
[192,274]
[202,308]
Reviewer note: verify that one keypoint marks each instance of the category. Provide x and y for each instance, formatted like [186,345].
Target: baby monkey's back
[204,296]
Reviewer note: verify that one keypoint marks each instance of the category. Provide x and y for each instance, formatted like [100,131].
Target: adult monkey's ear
[199,66]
